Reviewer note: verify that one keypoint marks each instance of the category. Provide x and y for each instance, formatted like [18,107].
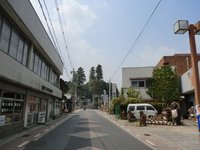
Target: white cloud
[150,56]
[78,17]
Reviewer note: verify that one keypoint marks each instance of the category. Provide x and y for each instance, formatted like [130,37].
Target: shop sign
[44,88]
[2,120]
[41,117]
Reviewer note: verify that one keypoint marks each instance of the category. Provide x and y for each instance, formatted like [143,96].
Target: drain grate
[147,134]
[25,135]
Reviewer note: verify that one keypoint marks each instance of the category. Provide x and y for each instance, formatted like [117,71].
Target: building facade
[181,62]
[183,66]
[187,91]
[30,68]
[137,78]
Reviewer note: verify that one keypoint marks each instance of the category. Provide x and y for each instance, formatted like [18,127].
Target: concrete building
[187,91]
[137,78]
[181,62]
[30,68]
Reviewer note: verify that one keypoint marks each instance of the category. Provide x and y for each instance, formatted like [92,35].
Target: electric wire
[65,26]
[47,23]
[136,40]
[52,28]
[63,33]
[58,49]
[56,40]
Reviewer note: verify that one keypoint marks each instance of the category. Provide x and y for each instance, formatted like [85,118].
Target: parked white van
[148,109]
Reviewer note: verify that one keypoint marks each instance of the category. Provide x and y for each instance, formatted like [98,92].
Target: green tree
[132,96]
[164,86]
[78,81]
[92,80]
[92,74]
[99,73]
[81,78]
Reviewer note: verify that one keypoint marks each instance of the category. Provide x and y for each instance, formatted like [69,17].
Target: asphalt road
[87,130]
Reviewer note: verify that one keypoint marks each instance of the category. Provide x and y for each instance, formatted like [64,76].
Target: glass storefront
[11,106]
[34,106]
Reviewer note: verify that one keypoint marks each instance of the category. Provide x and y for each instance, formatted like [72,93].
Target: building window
[25,54]
[20,49]
[138,84]
[5,36]
[134,84]
[43,71]
[36,63]
[13,44]
[12,107]
[141,83]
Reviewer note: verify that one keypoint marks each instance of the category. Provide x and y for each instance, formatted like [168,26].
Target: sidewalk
[162,137]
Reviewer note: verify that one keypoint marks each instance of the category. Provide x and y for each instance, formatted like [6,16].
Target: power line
[55,43]
[56,40]
[65,26]
[54,34]
[46,22]
[63,33]
[136,40]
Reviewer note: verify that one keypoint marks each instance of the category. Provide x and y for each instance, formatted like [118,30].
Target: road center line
[150,142]
[26,142]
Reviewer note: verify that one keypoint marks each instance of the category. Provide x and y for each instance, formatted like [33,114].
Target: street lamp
[180,27]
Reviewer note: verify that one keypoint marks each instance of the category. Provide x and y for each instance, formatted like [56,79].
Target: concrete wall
[135,73]
[32,27]
[186,81]
[17,73]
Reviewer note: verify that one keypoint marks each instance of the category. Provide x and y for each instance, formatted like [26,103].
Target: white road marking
[138,135]
[37,135]
[26,142]
[46,130]
[150,142]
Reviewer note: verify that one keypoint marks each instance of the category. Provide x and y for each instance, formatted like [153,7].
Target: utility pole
[109,99]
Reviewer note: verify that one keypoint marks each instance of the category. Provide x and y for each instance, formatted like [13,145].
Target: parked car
[148,109]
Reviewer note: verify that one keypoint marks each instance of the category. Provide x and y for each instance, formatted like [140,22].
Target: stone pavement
[162,137]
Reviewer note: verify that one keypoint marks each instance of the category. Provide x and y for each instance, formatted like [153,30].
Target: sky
[104,31]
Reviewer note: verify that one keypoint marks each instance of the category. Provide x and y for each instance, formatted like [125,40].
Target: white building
[30,68]
[187,91]
[137,78]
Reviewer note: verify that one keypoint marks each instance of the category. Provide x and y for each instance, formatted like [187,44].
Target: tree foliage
[96,83]
[80,76]
[132,97]
[78,81]
[99,73]
[164,85]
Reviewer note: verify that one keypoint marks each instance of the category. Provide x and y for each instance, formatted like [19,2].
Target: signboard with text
[2,120]
[41,117]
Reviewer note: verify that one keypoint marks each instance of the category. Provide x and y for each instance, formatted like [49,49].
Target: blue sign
[198,120]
